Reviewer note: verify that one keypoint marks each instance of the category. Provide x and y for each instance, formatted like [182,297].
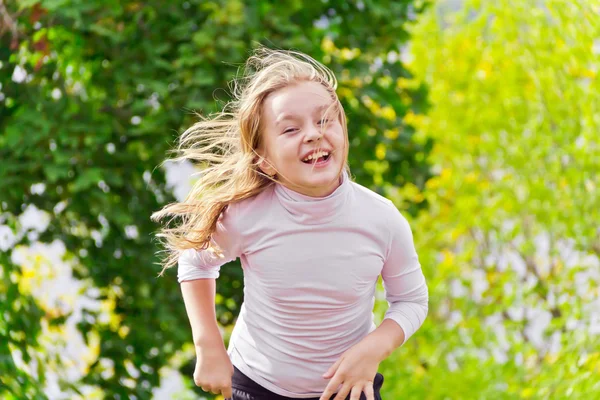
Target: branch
[8,24]
[596,247]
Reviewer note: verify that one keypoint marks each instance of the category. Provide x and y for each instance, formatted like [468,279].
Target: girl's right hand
[213,370]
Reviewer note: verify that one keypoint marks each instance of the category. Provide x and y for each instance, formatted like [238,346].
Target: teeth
[315,156]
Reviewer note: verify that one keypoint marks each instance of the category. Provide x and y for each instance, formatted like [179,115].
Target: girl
[276,192]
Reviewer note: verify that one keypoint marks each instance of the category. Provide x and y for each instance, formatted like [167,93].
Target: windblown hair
[225,146]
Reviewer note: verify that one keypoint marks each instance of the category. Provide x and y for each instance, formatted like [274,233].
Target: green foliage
[510,241]
[92,95]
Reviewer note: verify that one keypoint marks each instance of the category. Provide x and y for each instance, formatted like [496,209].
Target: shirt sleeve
[403,280]
[201,264]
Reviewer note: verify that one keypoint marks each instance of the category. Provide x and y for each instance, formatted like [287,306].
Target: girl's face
[303,140]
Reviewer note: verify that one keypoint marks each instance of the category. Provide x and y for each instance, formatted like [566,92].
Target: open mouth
[317,158]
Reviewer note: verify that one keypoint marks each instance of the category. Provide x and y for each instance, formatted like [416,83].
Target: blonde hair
[225,145]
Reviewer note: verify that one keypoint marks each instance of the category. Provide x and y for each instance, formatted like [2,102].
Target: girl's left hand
[355,371]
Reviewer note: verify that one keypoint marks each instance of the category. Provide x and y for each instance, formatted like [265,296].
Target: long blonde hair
[225,144]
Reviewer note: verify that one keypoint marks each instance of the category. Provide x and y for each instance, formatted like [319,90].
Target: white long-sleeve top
[310,271]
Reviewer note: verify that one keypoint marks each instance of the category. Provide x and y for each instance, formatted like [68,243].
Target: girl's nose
[313,134]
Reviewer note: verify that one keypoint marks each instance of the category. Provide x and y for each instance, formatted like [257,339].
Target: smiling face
[303,140]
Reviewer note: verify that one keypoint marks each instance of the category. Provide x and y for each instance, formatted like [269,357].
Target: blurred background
[479,119]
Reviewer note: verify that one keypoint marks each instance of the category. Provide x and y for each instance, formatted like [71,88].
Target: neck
[315,206]
[320,191]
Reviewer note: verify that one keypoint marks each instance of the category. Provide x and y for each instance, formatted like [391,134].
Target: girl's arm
[408,297]
[199,299]
[403,280]
[197,273]
[213,370]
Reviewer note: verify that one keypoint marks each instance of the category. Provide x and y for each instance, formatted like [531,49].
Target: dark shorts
[245,388]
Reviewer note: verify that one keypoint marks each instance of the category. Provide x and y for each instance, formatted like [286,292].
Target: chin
[326,179]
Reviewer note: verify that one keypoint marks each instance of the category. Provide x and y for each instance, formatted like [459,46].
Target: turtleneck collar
[314,210]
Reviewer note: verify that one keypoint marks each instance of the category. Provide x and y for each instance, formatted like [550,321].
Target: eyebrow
[318,109]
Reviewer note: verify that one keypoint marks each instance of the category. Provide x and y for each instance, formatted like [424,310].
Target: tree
[92,96]
[510,241]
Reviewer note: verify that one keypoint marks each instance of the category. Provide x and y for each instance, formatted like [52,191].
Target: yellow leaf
[446,174]
[123,331]
[471,177]
[406,99]
[380,151]
[403,83]
[93,352]
[391,134]
[551,358]
[526,393]
[327,45]
[473,140]
[448,260]
[348,54]
[345,93]
[388,113]
[589,186]
[432,183]
[413,119]
[456,233]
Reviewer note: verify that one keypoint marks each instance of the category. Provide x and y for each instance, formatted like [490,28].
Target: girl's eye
[323,121]
[289,130]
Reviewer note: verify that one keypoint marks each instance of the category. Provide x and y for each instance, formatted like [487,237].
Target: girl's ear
[266,167]
[264,164]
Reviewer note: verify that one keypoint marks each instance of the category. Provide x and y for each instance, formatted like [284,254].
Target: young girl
[276,192]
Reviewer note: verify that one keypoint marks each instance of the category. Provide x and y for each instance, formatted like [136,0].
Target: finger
[330,389]
[331,371]
[326,394]
[209,388]
[227,392]
[369,393]
[356,391]
[343,392]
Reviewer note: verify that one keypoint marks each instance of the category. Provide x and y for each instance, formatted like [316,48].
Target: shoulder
[381,211]
[239,221]
[247,212]
[372,200]
[251,204]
